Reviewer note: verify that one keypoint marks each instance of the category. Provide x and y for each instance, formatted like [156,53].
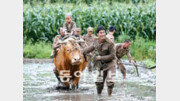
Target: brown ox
[70,62]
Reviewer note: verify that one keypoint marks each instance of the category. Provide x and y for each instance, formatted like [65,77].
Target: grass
[37,50]
[141,50]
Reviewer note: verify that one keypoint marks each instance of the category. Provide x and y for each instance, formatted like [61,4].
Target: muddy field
[39,85]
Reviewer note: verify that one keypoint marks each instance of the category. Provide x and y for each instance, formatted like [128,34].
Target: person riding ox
[69,27]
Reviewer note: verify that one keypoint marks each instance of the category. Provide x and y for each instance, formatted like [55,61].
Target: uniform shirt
[78,36]
[111,37]
[106,50]
[89,39]
[121,52]
[69,27]
[57,38]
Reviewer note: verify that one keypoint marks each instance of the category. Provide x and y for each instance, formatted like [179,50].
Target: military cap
[89,29]
[78,29]
[69,15]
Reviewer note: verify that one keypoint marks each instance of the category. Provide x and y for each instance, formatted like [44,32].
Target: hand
[98,57]
[133,63]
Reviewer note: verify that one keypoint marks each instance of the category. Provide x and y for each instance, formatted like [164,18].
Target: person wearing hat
[89,39]
[110,34]
[56,39]
[69,26]
[78,33]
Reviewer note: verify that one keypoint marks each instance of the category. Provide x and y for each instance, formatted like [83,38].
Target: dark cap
[112,28]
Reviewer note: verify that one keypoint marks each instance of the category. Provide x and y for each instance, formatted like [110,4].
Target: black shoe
[109,91]
[99,91]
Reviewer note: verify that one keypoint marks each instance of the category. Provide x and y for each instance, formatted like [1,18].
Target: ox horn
[61,42]
[80,41]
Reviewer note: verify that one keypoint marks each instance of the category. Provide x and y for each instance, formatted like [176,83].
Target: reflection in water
[39,85]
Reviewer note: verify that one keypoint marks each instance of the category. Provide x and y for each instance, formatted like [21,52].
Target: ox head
[72,51]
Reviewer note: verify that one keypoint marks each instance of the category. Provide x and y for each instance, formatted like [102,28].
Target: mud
[39,85]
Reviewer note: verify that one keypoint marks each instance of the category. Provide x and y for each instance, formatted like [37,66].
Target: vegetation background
[134,19]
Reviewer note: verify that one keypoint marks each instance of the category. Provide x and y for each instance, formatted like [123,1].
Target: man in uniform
[78,33]
[106,59]
[89,39]
[69,26]
[56,39]
[110,34]
[121,50]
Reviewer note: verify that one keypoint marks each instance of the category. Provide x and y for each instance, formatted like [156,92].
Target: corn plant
[41,23]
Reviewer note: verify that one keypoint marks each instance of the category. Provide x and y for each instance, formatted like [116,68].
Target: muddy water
[39,85]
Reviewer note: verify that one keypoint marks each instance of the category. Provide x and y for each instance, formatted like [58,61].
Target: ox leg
[67,85]
[75,83]
[89,63]
[65,82]
[57,74]
[77,86]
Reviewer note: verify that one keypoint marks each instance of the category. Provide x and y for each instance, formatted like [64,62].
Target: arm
[64,28]
[131,59]
[55,44]
[74,26]
[88,49]
[129,56]
[111,56]
[55,41]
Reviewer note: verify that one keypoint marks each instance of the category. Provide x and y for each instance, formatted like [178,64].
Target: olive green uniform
[119,54]
[89,40]
[106,64]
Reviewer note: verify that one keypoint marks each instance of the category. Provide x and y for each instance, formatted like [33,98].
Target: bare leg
[56,74]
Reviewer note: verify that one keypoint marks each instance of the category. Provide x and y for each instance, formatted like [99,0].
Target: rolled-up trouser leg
[122,68]
[111,73]
[56,73]
[89,66]
[89,63]
[100,81]
[110,88]
[99,86]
